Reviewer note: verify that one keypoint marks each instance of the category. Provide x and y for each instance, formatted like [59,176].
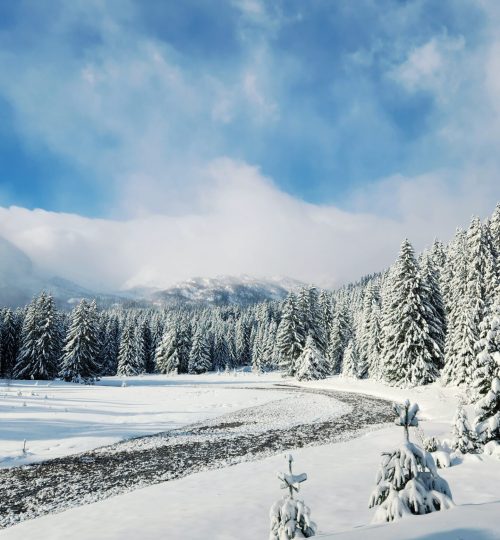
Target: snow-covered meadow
[233,502]
[58,418]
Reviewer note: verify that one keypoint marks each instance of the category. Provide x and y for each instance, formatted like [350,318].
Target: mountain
[222,290]
[20,280]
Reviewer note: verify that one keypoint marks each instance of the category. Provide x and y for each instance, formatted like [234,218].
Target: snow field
[233,503]
[58,418]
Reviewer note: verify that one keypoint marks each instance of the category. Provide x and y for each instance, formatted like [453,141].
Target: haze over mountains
[20,279]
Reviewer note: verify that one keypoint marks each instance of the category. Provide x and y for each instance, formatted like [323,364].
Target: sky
[142,143]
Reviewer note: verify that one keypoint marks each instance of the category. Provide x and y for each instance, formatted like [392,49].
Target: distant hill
[222,290]
[20,280]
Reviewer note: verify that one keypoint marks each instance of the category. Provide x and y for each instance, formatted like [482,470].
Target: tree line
[426,317]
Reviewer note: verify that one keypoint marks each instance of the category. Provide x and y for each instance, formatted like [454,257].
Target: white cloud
[243,224]
[431,66]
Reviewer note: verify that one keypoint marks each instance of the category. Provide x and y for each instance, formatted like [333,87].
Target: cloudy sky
[147,142]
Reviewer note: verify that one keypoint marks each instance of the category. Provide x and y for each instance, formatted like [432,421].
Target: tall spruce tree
[78,363]
[199,356]
[311,364]
[167,357]
[411,355]
[40,341]
[129,357]
[10,343]
[289,336]
[435,313]
[340,334]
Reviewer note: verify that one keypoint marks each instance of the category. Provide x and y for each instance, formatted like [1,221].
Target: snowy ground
[233,503]
[58,418]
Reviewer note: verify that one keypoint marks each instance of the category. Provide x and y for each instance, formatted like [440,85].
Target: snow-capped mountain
[20,280]
[221,290]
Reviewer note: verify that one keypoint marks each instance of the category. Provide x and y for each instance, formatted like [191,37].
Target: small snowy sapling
[407,481]
[290,518]
[464,438]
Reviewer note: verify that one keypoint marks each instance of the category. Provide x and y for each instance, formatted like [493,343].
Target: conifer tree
[185,344]
[487,422]
[351,360]
[111,347]
[460,353]
[311,364]
[40,341]
[408,482]
[10,343]
[288,338]
[49,343]
[411,355]
[494,225]
[146,351]
[375,343]
[435,313]
[487,360]
[243,351]
[167,357]
[221,354]
[129,360]
[26,359]
[290,517]
[199,357]
[78,363]
[340,334]
[464,438]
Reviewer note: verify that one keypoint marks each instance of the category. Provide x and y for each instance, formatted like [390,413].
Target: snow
[234,502]
[58,418]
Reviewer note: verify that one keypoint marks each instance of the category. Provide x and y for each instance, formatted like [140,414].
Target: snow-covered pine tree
[167,357]
[242,342]
[487,361]
[487,421]
[312,318]
[311,364]
[288,338]
[185,343]
[199,357]
[221,353]
[411,356]
[435,317]
[340,333]
[146,351]
[326,308]
[464,438]
[111,347]
[460,351]
[290,517]
[129,361]
[49,346]
[407,481]
[40,341]
[351,361]
[481,278]
[269,361]
[78,363]
[494,224]
[375,343]
[10,343]
[259,348]
[364,334]
[26,359]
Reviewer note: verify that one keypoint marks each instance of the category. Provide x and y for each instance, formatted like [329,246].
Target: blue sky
[304,90]
[384,114]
